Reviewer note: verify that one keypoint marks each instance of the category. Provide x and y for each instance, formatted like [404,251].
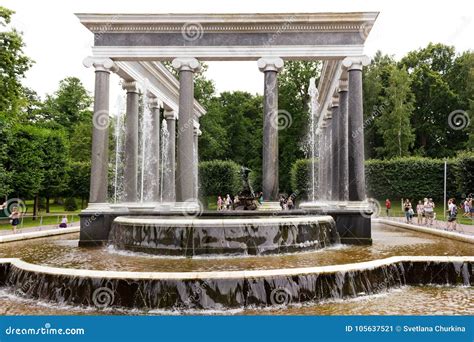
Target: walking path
[6,235]
[466,235]
[438,225]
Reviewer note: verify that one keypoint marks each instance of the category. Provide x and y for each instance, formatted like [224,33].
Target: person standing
[15,218]
[407,208]
[228,202]
[388,207]
[419,212]
[219,203]
[428,208]
[452,214]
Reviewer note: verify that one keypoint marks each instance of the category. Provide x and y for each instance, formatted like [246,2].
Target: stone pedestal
[130,179]
[184,172]
[270,67]
[100,129]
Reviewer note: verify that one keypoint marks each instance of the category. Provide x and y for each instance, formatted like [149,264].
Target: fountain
[146,255]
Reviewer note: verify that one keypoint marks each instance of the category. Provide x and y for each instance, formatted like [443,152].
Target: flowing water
[389,241]
[119,133]
[165,166]
[312,138]
[62,251]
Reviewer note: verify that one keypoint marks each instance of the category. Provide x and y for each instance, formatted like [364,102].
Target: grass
[53,218]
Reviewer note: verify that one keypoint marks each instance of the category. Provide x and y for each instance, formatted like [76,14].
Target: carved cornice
[264,22]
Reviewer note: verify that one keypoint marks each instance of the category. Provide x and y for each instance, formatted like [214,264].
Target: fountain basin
[200,236]
[227,290]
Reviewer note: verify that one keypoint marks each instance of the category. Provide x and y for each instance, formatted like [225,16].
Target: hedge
[219,177]
[411,177]
[464,174]
[300,176]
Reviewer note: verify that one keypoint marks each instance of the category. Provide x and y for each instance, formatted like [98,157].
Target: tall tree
[394,121]
[13,65]
[68,106]
[293,98]
[435,98]
[375,82]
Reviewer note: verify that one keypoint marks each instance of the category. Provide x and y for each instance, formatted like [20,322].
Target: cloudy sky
[58,42]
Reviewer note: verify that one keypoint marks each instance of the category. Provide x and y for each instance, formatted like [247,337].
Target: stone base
[353,219]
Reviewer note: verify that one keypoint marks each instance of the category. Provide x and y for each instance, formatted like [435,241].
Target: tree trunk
[35,207]
[47,204]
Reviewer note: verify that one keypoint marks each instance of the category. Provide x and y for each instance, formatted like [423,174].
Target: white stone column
[130,180]
[270,66]
[169,186]
[155,145]
[100,130]
[356,127]
[184,179]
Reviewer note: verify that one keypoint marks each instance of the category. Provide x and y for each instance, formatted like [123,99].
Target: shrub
[464,174]
[300,177]
[410,177]
[70,204]
[219,177]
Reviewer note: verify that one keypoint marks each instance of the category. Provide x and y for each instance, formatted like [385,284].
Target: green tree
[293,99]
[375,82]
[13,65]
[79,181]
[394,122]
[68,106]
[55,165]
[433,85]
[81,142]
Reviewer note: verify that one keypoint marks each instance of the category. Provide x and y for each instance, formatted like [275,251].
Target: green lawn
[53,218]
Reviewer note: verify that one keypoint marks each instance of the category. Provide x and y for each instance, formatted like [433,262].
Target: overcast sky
[58,42]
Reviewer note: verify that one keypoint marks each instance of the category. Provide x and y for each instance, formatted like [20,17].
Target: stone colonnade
[341,138]
[180,182]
